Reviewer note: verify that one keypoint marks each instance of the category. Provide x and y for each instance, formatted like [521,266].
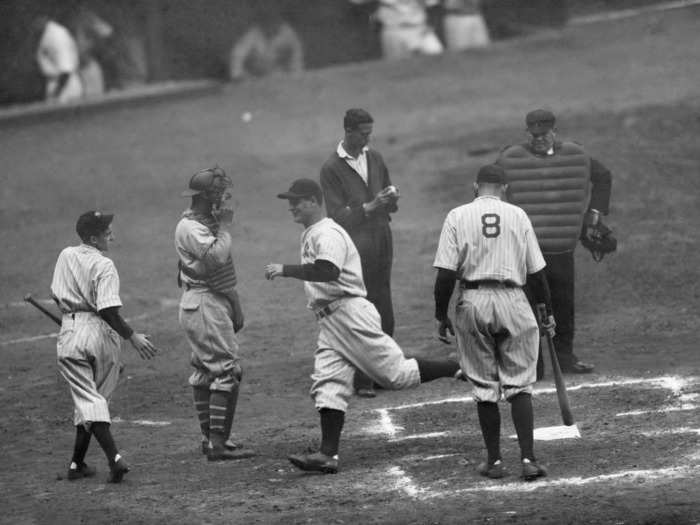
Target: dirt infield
[628,91]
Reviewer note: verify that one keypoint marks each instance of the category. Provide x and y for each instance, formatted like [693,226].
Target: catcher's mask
[211,182]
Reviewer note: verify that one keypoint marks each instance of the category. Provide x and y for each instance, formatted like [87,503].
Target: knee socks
[331,426]
[523,420]
[490,422]
[82,442]
[104,437]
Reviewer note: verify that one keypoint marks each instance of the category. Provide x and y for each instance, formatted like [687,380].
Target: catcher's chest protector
[554,191]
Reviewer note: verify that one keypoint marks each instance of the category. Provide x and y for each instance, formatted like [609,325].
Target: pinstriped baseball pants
[89,359]
[498,341]
[352,338]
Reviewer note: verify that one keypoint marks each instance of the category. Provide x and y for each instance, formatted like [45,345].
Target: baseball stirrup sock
[218,406]
[201,405]
[523,420]
[230,411]
[331,427]
[490,422]
[105,439]
[431,369]
[82,442]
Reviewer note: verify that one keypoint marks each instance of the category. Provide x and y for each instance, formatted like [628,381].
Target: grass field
[628,91]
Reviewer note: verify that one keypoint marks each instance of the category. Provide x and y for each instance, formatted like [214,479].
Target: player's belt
[331,307]
[486,283]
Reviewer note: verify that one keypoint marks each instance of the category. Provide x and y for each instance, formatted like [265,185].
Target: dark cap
[92,223]
[302,188]
[205,179]
[539,121]
[491,173]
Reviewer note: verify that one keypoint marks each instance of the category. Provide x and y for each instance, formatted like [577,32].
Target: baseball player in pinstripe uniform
[350,332]
[85,287]
[210,310]
[490,247]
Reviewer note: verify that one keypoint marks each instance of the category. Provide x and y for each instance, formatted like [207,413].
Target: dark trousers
[376,272]
[560,276]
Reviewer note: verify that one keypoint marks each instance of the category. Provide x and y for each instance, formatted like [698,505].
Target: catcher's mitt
[598,240]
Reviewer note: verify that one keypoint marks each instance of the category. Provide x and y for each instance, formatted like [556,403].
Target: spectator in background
[464,26]
[269,45]
[91,32]
[58,58]
[405,29]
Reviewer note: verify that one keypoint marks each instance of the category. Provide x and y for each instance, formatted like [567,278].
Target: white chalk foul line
[673,383]
[629,476]
[142,422]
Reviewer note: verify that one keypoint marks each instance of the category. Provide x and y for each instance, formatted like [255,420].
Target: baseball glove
[598,240]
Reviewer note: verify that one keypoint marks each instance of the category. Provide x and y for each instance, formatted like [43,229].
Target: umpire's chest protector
[553,190]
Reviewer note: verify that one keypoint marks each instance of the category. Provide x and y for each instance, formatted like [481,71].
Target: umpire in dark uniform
[564,191]
[360,197]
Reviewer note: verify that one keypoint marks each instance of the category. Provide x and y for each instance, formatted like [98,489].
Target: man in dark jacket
[359,196]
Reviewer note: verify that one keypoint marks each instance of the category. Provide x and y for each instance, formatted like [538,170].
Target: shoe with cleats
[81,471]
[493,470]
[315,462]
[532,471]
[117,471]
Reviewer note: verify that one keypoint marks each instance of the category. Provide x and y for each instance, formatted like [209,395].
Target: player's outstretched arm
[143,346]
[320,271]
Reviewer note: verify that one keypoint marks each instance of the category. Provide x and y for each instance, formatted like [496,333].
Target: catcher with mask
[210,310]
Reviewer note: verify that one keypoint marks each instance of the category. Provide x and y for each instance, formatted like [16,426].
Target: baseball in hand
[392,190]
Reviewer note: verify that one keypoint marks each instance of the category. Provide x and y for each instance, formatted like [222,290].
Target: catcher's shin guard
[201,405]
[230,411]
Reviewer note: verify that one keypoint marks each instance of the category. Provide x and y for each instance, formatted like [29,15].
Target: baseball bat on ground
[562,395]
[43,310]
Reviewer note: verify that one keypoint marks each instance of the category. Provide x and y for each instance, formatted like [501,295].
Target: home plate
[558,432]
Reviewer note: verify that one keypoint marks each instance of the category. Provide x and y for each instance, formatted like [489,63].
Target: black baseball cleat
[493,470]
[117,471]
[315,462]
[532,471]
[577,367]
[226,454]
[81,471]
[230,445]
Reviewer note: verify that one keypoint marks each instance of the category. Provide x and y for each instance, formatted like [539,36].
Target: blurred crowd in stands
[86,48]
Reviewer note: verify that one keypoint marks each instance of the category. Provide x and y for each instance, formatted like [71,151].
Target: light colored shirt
[395,13]
[199,249]
[328,241]
[57,52]
[359,164]
[84,280]
[282,51]
[489,239]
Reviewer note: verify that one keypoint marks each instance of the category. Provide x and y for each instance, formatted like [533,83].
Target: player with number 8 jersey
[490,247]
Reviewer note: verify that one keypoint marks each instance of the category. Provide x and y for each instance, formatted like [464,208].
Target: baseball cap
[492,173]
[92,223]
[539,121]
[205,179]
[302,188]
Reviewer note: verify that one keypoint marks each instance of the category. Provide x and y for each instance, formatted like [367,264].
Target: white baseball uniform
[492,247]
[350,333]
[84,282]
[205,314]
